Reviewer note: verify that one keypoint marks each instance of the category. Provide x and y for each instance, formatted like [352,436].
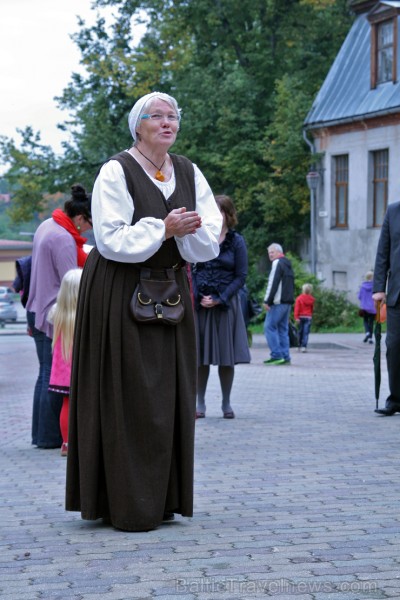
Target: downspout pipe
[313,239]
[310,144]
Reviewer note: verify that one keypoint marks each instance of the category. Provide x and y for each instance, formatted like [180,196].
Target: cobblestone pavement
[296,497]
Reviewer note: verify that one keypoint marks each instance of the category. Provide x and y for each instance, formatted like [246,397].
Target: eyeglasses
[158,117]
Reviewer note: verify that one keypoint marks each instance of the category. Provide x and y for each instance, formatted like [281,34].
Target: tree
[27,175]
[245,74]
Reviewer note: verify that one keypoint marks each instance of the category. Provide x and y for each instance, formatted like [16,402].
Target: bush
[332,308]
[301,275]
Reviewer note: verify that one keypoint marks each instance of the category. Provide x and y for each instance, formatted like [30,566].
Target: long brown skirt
[132,405]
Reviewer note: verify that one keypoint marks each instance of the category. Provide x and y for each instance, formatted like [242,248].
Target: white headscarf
[138,107]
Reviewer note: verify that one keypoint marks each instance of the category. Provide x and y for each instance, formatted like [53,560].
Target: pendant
[159,176]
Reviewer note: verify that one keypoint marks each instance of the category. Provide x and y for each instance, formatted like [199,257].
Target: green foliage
[283,196]
[12,231]
[245,74]
[3,186]
[28,175]
[333,309]
[301,275]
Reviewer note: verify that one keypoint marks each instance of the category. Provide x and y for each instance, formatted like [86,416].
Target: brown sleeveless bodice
[150,202]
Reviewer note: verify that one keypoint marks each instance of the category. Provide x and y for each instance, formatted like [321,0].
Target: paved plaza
[298,497]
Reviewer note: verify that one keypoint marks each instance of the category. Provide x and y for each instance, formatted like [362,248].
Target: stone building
[354,129]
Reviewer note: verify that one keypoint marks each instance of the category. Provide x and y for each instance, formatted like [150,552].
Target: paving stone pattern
[295,498]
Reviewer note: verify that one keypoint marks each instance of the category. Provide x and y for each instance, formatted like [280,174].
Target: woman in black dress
[222,337]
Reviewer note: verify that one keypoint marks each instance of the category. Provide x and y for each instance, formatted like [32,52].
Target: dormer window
[383,44]
[384,51]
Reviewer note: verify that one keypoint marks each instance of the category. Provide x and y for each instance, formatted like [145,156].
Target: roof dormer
[384,42]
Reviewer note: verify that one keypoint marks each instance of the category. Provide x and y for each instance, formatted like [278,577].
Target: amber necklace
[159,176]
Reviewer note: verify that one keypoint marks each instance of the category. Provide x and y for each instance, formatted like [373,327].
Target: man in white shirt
[278,300]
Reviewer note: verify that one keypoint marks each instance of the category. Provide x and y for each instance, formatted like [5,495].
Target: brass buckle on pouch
[157,300]
[170,303]
[142,301]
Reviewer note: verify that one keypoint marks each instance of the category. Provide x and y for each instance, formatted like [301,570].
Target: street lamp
[312,182]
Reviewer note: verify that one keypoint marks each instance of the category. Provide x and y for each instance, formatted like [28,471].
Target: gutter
[343,121]
[310,144]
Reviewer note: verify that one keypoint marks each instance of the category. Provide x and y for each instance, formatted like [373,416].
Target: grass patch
[258,328]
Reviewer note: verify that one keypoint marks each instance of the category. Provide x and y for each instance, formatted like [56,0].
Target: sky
[37,58]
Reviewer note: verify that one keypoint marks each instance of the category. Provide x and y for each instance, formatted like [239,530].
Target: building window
[380,186]
[383,48]
[384,52]
[341,190]
[339,280]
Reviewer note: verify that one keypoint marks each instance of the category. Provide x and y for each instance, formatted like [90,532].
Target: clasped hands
[180,222]
[208,302]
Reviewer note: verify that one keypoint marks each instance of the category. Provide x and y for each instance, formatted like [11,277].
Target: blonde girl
[62,316]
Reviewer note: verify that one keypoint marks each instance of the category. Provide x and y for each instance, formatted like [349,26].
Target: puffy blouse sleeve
[204,244]
[112,212]
[117,239]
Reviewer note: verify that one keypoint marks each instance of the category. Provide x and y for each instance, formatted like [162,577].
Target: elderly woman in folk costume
[133,389]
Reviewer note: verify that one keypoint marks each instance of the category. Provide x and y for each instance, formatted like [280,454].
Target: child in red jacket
[303,311]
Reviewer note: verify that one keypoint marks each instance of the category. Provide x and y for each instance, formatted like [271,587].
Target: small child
[303,311]
[62,315]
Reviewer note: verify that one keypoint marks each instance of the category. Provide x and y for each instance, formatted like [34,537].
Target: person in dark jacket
[367,306]
[21,282]
[222,337]
[387,274]
[278,300]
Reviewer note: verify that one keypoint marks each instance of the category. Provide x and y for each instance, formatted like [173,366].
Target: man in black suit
[387,288]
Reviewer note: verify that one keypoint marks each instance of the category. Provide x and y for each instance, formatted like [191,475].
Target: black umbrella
[377,353]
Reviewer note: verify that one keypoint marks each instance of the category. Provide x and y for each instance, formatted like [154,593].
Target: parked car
[8,313]
[6,294]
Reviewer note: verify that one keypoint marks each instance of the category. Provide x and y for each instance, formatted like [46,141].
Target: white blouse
[117,239]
